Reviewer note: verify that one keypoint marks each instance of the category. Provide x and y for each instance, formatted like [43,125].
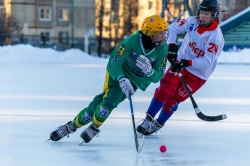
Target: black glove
[182,64]
[172,53]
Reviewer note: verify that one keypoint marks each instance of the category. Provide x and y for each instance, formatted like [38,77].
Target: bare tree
[129,15]
[193,4]
[8,26]
[115,21]
[241,5]
[100,25]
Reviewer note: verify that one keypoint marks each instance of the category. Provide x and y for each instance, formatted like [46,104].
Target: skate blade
[48,140]
[139,135]
[81,142]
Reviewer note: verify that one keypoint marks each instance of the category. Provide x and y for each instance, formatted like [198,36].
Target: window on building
[45,36]
[115,5]
[114,18]
[2,11]
[63,14]
[45,14]
[114,11]
[63,37]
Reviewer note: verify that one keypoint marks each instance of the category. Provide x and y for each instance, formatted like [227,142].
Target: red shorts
[171,89]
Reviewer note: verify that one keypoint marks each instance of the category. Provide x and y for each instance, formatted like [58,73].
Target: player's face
[205,17]
[160,37]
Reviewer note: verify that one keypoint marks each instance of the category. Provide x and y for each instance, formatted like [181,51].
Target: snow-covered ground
[26,54]
[41,89]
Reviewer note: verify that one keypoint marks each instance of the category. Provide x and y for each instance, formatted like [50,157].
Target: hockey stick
[138,147]
[196,108]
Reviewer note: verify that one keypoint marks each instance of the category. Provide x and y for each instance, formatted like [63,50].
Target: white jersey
[202,46]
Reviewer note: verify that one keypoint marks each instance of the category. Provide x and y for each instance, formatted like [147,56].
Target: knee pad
[82,118]
[100,115]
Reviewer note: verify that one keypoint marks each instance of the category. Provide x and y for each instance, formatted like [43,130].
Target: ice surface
[37,98]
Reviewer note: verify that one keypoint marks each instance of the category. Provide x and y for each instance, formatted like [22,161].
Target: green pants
[102,105]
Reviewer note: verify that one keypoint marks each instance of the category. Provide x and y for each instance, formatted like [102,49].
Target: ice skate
[148,126]
[61,132]
[89,133]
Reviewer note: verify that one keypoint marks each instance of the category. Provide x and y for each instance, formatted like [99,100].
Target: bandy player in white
[196,59]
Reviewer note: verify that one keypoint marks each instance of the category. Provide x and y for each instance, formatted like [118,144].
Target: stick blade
[211,118]
[224,116]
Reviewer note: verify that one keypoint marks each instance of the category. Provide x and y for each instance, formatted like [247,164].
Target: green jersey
[122,62]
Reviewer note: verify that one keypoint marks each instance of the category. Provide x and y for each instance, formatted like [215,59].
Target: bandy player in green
[136,62]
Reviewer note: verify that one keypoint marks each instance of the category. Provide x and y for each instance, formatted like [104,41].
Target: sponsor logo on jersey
[196,50]
[116,59]
[120,50]
[164,62]
[162,70]
[191,27]
[133,55]
[205,40]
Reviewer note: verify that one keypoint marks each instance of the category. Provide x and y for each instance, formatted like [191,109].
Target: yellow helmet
[153,25]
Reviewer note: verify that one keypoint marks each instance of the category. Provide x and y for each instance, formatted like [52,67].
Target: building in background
[97,25]
[116,19]
[51,22]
